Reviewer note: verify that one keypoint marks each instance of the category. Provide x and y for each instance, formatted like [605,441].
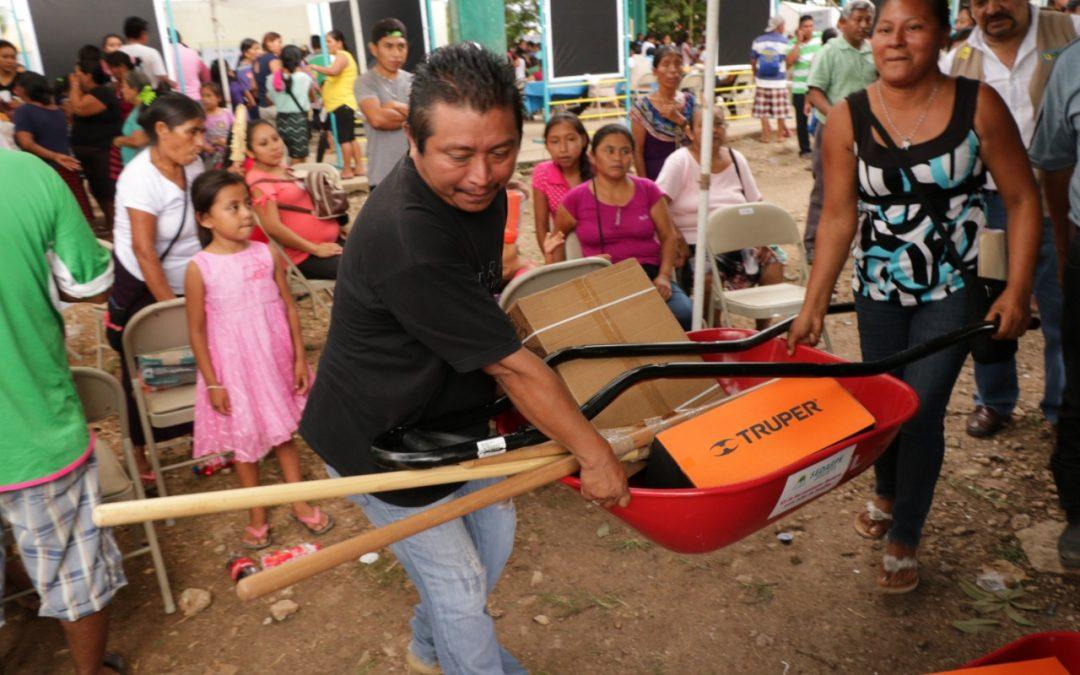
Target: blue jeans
[681,306]
[454,567]
[996,384]
[908,470]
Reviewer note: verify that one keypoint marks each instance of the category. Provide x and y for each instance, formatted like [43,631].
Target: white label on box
[813,481]
[745,210]
[490,446]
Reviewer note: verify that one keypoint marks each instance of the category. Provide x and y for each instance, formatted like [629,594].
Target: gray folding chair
[753,225]
[158,327]
[102,397]
[301,285]
[543,278]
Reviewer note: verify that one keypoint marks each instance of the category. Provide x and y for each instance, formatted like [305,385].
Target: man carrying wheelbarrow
[416,335]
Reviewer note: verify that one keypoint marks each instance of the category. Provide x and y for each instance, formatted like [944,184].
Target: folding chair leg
[159,568]
[99,329]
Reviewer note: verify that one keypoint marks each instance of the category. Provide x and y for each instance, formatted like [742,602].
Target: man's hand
[1012,311]
[604,483]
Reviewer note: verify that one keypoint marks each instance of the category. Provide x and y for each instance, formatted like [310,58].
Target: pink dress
[252,353]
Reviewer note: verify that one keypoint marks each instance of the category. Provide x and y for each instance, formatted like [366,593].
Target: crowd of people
[916,151]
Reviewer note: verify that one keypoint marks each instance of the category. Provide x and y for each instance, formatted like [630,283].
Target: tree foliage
[672,16]
[522,18]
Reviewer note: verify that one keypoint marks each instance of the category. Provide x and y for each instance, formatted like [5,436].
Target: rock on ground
[283,609]
[194,600]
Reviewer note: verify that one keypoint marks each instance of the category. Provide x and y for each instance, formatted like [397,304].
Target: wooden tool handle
[268,581]
[183,506]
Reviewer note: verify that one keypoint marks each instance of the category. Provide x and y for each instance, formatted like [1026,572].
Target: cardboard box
[617,304]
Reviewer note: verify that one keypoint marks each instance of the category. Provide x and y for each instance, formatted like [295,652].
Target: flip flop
[891,565]
[260,534]
[312,522]
[873,523]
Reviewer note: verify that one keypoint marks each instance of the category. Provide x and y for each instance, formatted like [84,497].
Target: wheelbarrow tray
[703,520]
[1065,645]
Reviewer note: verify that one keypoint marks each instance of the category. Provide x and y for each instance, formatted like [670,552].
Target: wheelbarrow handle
[469,450]
[482,414]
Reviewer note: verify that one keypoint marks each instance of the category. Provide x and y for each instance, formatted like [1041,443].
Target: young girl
[568,143]
[135,88]
[623,216]
[253,378]
[218,122]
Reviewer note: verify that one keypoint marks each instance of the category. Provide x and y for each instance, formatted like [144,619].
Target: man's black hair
[316,42]
[464,75]
[119,59]
[135,26]
[388,27]
[805,17]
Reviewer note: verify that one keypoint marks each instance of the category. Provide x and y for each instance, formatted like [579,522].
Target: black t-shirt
[414,322]
[97,131]
[263,71]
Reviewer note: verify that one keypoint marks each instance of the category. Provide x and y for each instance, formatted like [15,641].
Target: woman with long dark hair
[624,216]
[567,142]
[660,120]
[155,234]
[250,50]
[339,98]
[291,92]
[905,163]
[95,122]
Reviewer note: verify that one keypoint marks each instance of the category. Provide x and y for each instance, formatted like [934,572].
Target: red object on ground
[240,567]
[281,556]
[1065,645]
[702,520]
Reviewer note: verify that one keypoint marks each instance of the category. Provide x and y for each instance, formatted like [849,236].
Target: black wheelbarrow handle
[474,449]
[482,414]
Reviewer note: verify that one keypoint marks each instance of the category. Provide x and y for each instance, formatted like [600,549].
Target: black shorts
[345,119]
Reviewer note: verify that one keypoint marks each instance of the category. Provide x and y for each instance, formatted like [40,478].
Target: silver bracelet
[215,386]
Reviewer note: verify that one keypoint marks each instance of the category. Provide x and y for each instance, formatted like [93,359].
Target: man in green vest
[48,477]
[1012,49]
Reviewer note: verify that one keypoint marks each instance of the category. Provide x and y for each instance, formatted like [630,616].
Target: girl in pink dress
[253,378]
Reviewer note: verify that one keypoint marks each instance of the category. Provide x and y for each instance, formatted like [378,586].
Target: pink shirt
[195,71]
[622,232]
[292,193]
[679,181]
[548,179]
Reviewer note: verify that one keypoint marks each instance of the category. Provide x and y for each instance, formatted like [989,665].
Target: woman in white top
[731,183]
[154,233]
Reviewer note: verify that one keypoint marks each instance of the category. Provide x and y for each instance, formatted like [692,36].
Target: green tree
[671,16]
[522,18]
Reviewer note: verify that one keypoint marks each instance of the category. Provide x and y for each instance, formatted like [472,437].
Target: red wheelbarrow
[701,520]
[1064,645]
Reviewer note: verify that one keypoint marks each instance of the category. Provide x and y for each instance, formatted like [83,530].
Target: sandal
[873,523]
[261,536]
[313,523]
[893,567]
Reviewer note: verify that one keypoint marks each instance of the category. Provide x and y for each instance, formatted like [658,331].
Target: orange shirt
[292,193]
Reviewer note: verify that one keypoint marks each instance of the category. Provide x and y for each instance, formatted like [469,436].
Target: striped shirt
[800,70]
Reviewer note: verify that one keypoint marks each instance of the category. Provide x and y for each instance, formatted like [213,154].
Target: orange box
[1048,666]
[764,429]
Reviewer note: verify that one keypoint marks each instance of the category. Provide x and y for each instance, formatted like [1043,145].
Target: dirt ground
[613,601]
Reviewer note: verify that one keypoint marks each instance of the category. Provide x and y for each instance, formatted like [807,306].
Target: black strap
[936,216]
[183,222]
[738,173]
[288,90]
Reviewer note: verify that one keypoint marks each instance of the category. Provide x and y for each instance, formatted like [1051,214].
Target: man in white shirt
[1012,49]
[146,58]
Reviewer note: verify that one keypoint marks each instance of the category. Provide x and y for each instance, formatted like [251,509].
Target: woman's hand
[682,250]
[327,249]
[1012,312]
[553,241]
[301,375]
[806,330]
[663,286]
[219,401]
[67,161]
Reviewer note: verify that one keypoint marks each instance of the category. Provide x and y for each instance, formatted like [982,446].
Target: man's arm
[1056,191]
[817,99]
[539,395]
[386,119]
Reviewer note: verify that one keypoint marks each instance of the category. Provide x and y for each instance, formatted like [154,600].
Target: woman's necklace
[905,141]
